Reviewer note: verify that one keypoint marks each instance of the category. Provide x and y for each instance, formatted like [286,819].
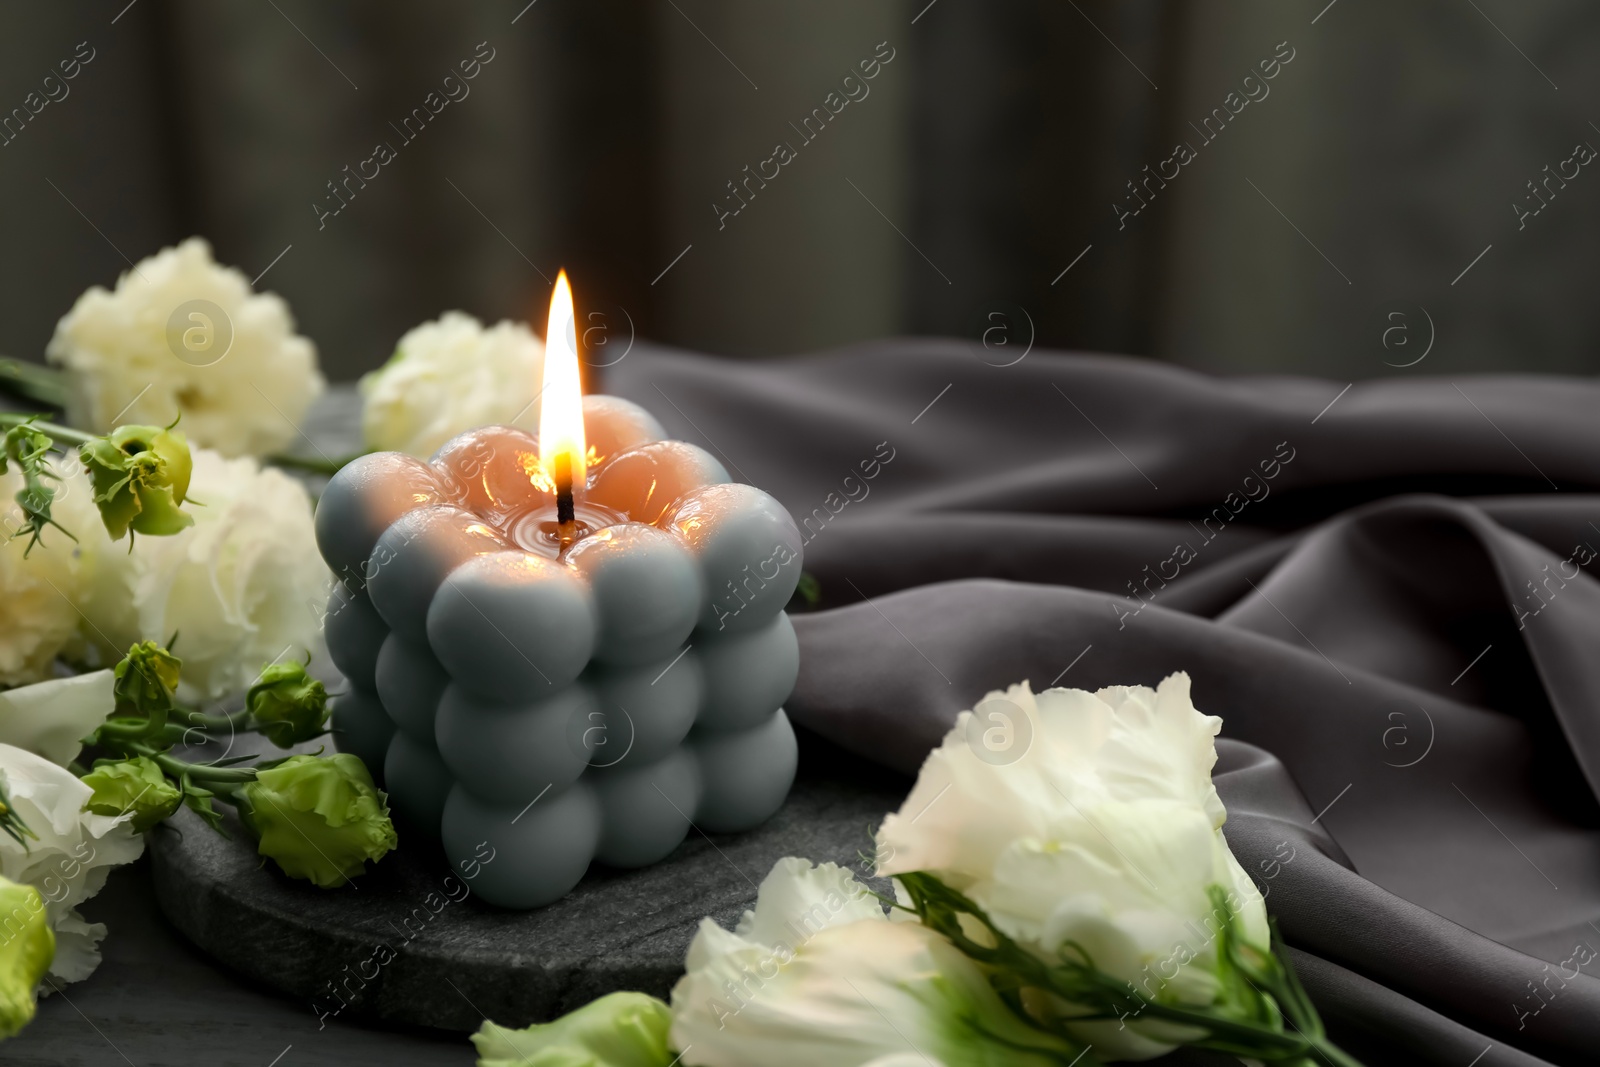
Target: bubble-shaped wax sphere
[410,684]
[612,424]
[646,588]
[362,727]
[415,554]
[361,501]
[491,471]
[513,626]
[511,753]
[418,783]
[523,855]
[749,548]
[744,775]
[666,697]
[748,676]
[643,482]
[646,809]
[354,633]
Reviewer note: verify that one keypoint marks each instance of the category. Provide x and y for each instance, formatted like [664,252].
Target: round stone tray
[406,942]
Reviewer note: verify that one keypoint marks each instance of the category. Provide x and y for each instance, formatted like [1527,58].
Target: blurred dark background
[1377,174]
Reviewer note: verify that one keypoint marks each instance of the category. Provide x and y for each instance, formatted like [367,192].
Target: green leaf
[198,800]
[27,446]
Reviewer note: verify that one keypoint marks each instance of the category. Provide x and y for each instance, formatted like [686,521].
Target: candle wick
[565,515]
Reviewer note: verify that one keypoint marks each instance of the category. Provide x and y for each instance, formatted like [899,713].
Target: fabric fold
[1385,588]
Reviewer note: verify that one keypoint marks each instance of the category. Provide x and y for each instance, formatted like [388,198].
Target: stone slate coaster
[405,942]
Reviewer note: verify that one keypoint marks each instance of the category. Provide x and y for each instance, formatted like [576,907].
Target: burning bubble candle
[569,647]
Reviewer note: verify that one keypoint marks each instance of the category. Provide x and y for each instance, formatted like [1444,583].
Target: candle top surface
[628,474]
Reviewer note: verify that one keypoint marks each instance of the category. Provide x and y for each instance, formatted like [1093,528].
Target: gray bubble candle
[570,647]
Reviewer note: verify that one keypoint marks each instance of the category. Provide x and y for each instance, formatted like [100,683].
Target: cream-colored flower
[448,376]
[37,619]
[816,976]
[182,336]
[69,860]
[38,587]
[1099,829]
[51,718]
[240,588]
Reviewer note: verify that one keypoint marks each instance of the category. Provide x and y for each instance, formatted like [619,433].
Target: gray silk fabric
[1385,592]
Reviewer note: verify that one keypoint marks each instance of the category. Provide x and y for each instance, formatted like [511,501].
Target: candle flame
[561,399]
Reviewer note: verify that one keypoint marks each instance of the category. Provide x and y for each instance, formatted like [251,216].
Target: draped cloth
[1386,590]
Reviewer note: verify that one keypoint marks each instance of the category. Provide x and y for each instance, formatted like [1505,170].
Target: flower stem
[233,721]
[224,780]
[313,464]
[58,432]
[34,382]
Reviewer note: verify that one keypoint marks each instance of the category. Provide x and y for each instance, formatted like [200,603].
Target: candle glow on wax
[562,451]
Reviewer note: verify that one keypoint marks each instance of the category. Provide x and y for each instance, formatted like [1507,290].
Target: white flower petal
[834,991]
[796,901]
[71,857]
[77,949]
[50,718]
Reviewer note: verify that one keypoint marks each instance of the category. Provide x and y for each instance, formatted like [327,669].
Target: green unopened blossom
[145,680]
[27,947]
[288,705]
[618,1030]
[318,817]
[140,476]
[133,786]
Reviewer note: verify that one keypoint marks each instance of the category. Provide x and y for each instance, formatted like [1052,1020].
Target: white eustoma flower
[241,587]
[39,586]
[182,336]
[448,376]
[37,619]
[817,976]
[1100,828]
[71,857]
[50,718]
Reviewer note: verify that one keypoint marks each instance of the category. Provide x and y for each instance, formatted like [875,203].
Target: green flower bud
[134,785]
[288,705]
[27,947]
[140,476]
[145,680]
[318,817]
[618,1030]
